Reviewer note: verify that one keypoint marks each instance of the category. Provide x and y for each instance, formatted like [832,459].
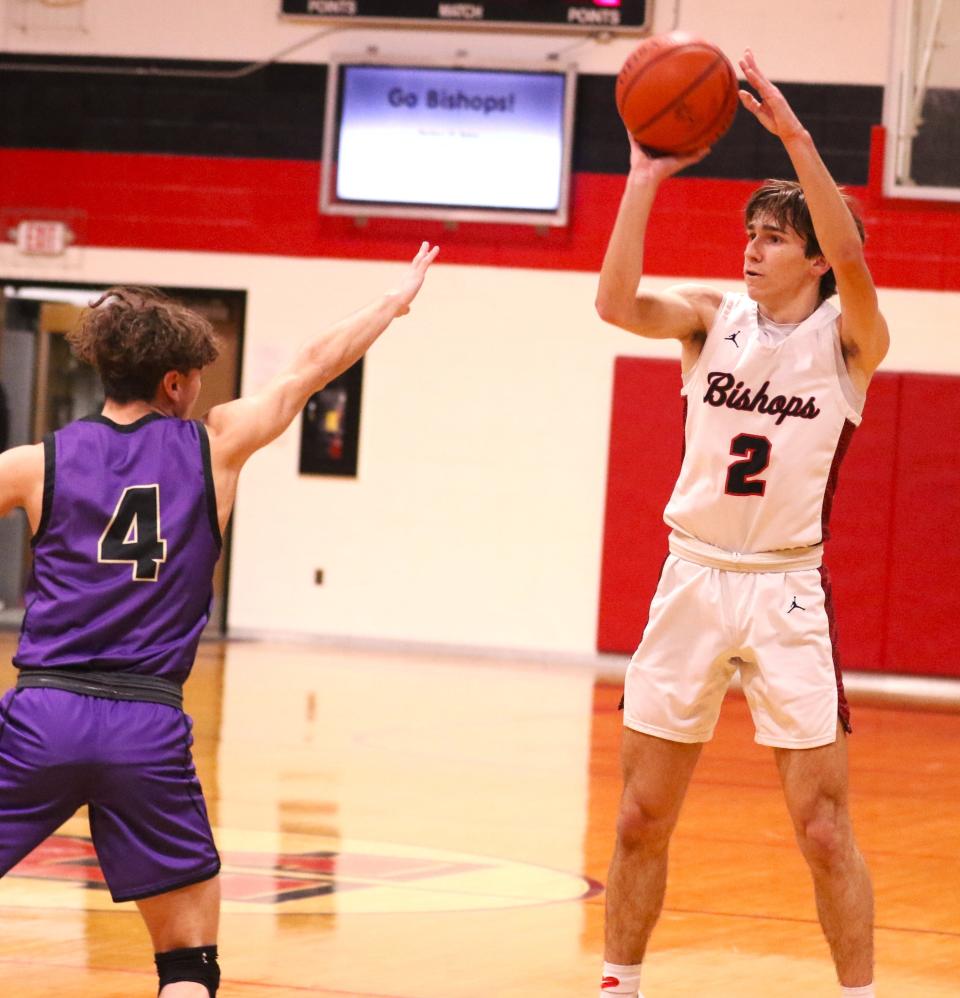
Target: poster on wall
[479,144]
[330,428]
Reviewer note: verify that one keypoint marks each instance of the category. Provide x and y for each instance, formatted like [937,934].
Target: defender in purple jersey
[773,383]
[128,509]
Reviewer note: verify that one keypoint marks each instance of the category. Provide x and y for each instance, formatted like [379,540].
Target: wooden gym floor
[398,825]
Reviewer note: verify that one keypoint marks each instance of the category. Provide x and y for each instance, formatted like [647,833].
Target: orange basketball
[677,93]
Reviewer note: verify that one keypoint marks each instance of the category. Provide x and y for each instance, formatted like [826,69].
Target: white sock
[864,992]
[621,981]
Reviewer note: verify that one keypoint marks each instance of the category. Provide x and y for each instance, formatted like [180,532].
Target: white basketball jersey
[767,421]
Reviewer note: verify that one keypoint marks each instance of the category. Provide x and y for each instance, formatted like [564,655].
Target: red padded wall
[923,597]
[646,443]
[894,553]
[858,552]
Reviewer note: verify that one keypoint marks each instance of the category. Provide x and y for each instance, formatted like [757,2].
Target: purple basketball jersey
[124,555]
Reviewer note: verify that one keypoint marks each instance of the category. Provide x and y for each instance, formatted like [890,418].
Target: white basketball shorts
[705,624]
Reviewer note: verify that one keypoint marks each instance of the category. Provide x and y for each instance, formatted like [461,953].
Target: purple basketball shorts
[130,762]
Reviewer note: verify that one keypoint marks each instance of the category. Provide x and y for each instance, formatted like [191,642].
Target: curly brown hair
[133,336]
[785,203]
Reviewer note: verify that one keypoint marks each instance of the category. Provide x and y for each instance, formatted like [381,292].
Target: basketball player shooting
[774,381]
[128,510]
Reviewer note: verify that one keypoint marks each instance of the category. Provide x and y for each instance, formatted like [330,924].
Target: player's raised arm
[863,330]
[239,428]
[681,312]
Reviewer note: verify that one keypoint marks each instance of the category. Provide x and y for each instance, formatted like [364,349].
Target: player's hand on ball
[647,168]
[772,110]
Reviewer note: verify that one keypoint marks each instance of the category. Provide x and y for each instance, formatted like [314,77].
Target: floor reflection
[400,825]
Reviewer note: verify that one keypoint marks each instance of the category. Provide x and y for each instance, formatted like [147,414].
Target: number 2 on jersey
[133,533]
[756,454]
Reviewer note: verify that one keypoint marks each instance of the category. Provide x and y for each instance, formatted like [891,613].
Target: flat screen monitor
[452,142]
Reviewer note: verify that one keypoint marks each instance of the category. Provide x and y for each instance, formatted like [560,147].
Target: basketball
[677,93]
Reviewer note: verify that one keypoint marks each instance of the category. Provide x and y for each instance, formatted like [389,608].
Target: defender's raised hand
[412,280]
[772,110]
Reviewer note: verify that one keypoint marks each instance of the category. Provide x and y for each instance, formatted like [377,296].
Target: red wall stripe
[270,207]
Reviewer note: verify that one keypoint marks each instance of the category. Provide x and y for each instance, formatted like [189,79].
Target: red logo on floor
[254,877]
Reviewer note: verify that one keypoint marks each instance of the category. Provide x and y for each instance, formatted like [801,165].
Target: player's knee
[196,964]
[640,829]
[825,841]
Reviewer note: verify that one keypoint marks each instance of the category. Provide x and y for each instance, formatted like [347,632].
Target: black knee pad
[197,964]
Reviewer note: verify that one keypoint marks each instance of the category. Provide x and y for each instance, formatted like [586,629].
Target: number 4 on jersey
[133,534]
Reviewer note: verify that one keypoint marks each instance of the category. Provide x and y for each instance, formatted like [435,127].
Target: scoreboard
[584,16]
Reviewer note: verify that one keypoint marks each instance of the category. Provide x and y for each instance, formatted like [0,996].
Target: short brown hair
[133,336]
[785,203]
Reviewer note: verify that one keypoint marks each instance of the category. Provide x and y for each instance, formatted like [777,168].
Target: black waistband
[106,685]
